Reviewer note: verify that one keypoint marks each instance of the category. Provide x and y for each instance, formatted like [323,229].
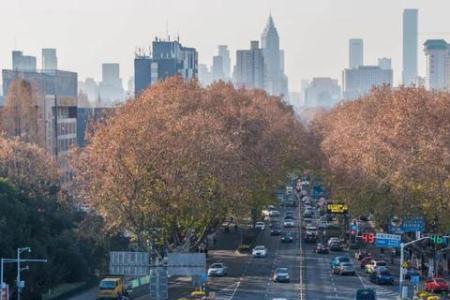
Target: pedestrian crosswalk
[226,293]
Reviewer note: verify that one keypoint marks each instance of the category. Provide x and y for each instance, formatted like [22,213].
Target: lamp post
[19,285]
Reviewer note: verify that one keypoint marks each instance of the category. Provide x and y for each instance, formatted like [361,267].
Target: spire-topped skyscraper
[275,79]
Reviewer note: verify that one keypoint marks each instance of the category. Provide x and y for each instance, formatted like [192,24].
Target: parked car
[346,268]
[287,237]
[281,275]
[274,213]
[321,249]
[366,294]
[436,285]
[381,276]
[372,265]
[259,251]
[217,269]
[260,226]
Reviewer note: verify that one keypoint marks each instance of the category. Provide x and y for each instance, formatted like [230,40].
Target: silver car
[217,269]
[346,268]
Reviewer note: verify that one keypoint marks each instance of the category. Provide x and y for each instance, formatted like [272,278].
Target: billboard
[128,263]
[337,208]
[186,264]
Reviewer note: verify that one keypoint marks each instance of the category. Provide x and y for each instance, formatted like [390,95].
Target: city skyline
[304,30]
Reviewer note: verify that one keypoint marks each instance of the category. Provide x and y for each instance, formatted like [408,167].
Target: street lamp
[19,284]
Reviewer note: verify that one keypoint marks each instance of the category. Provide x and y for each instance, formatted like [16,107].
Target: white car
[274,213]
[259,251]
[311,228]
[217,269]
[288,223]
[333,240]
[260,225]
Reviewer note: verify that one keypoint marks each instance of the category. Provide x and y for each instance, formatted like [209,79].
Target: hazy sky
[314,33]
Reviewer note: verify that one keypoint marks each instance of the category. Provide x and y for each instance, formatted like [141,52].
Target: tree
[388,152]
[173,163]
[20,116]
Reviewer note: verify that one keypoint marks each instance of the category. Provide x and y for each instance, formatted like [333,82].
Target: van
[110,288]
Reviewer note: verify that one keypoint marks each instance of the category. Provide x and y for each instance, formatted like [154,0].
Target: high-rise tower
[356,53]
[275,80]
[410,44]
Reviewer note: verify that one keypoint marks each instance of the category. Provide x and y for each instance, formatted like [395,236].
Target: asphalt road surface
[251,278]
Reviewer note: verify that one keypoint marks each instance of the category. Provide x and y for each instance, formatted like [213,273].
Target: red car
[436,285]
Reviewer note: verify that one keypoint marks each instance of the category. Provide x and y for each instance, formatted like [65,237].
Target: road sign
[159,284]
[413,225]
[385,240]
[415,279]
[186,264]
[337,208]
[128,263]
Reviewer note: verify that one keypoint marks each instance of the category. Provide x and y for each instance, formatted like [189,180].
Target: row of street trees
[177,160]
[389,153]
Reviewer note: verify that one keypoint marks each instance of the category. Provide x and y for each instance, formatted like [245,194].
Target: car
[310,237]
[321,249]
[337,260]
[308,214]
[311,228]
[333,240]
[363,262]
[323,224]
[372,265]
[281,275]
[436,285]
[366,294]
[217,269]
[336,246]
[346,268]
[287,237]
[260,225]
[307,221]
[275,230]
[289,213]
[259,251]
[274,213]
[381,276]
[289,216]
[288,223]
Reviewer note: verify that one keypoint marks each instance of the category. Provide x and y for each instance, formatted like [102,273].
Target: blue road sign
[415,279]
[413,225]
[385,240]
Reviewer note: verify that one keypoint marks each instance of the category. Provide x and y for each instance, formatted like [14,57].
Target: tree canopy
[180,158]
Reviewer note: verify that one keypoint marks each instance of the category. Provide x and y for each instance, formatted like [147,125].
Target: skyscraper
[410,42]
[356,53]
[249,70]
[359,81]
[385,63]
[111,88]
[169,58]
[22,62]
[322,92]
[49,60]
[218,68]
[275,79]
[438,73]
[225,54]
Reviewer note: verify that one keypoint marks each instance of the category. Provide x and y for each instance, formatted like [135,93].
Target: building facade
[356,53]
[437,65]
[25,63]
[322,92]
[217,68]
[410,44]
[385,63]
[359,81]
[169,58]
[249,70]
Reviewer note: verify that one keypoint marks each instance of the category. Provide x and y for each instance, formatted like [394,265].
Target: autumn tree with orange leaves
[389,153]
[180,158]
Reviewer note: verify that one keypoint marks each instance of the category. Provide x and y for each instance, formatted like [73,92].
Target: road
[250,278]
